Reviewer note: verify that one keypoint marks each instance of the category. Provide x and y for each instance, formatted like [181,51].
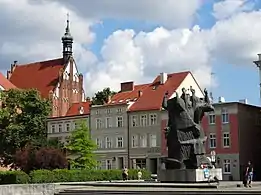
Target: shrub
[14,177]
[63,175]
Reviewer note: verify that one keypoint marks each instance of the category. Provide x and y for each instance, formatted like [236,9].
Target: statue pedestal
[189,175]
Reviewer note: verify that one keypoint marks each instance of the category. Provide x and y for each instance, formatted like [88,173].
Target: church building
[56,79]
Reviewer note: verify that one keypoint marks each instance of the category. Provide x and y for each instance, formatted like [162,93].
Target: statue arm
[165,101]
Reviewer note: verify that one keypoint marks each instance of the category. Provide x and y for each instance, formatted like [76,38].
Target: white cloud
[168,12]
[227,8]
[31,30]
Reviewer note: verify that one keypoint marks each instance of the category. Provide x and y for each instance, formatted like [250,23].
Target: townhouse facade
[61,127]
[233,133]
[140,107]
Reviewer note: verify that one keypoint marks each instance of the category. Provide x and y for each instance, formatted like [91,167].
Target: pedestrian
[249,175]
[125,174]
[139,174]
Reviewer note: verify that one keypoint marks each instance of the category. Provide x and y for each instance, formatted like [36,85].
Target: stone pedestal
[188,175]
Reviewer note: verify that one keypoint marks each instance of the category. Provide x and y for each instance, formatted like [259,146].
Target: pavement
[143,187]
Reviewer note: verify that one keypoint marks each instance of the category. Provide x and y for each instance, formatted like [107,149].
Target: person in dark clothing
[249,175]
[125,174]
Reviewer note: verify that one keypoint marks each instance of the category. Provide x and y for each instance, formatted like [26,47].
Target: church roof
[42,76]
[5,83]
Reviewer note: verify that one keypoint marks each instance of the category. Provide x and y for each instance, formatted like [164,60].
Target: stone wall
[27,189]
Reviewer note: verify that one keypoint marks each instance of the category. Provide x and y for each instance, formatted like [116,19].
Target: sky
[121,40]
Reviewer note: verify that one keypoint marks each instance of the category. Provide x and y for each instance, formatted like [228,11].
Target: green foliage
[14,177]
[63,175]
[102,97]
[22,121]
[80,147]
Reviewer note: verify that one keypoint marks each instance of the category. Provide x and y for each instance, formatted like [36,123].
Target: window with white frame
[99,143]
[108,111]
[60,128]
[108,164]
[108,122]
[226,140]
[53,128]
[119,110]
[119,121]
[134,121]
[119,142]
[98,123]
[134,141]
[227,166]
[212,140]
[212,118]
[224,116]
[108,142]
[153,140]
[68,127]
[153,119]
[143,120]
[97,112]
[143,141]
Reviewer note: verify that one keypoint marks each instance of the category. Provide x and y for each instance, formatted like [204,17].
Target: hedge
[64,175]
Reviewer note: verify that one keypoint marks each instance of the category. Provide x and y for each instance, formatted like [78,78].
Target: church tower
[67,41]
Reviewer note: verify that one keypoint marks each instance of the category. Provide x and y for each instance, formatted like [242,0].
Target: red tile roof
[5,83]
[42,76]
[75,108]
[152,94]
[124,97]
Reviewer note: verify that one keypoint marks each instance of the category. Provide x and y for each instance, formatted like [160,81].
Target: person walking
[249,175]
[125,174]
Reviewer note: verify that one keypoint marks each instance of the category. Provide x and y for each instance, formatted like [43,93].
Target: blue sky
[234,82]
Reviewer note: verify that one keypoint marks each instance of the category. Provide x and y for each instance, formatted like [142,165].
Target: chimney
[139,93]
[163,77]
[9,72]
[127,86]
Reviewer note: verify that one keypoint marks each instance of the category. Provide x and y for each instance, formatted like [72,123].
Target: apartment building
[61,127]
[140,107]
[234,133]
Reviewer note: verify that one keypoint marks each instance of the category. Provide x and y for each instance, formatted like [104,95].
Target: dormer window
[81,110]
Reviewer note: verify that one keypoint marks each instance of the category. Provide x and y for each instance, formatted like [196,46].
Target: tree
[102,97]
[22,122]
[81,147]
[30,158]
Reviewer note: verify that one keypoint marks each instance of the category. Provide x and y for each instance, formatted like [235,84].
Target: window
[108,142]
[134,121]
[108,164]
[212,118]
[108,122]
[134,141]
[143,120]
[98,123]
[140,163]
[68,127]
[108,111]
[224,116]
[226,140]
[212,140]
[143,141]
[99,142]
[153,140]
[97,112]
[53,128]
[119,142]
[153,119]
[226,166]
[60,128]
[119,121]
[119,110]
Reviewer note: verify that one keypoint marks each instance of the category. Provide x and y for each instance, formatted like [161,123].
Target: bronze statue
[185,137]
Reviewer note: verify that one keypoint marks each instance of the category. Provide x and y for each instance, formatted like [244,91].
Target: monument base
[189,175]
